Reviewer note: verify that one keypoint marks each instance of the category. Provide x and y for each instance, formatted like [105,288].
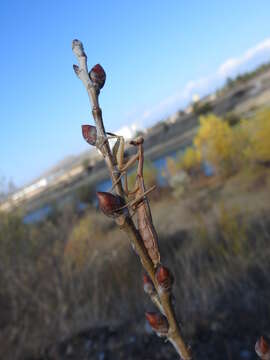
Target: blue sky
[156,55]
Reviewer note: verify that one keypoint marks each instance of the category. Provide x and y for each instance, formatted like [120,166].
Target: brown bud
[262,349]
[110,204]
[148,286]
[98,76]
[164,278]
[90,134]
[158,323]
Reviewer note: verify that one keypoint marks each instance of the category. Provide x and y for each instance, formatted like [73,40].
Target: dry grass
[57,279]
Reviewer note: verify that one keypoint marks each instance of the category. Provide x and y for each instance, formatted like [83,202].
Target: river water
[160,165]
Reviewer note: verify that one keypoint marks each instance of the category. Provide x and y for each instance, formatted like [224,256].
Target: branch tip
[77,48]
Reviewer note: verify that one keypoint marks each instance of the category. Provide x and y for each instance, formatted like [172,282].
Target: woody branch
[161,298]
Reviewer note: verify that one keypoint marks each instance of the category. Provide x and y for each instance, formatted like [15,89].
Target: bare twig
[161,298]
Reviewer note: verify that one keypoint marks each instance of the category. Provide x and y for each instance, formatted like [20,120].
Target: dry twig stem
[125,222]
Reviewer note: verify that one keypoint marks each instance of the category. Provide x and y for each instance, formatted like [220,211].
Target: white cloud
[127,131]
[233,64]
[247,61]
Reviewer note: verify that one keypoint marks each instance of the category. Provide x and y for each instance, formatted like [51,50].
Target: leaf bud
[110,204]
[164,279]
[97,76]
[262,349]
[158,323]
[89,133]
[148,286]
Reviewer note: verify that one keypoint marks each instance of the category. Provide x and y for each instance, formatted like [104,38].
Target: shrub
[202,108]
[214,143]
[86,194]
[260,135]
[191,160]
[232,118]
[78,248]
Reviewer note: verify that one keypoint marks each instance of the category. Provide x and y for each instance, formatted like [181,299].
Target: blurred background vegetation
[65,273]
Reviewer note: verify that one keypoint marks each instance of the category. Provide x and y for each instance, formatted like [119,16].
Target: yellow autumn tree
[191,160]
[241,143]
[172,166]
[227,148]
[214,143]
[260,136]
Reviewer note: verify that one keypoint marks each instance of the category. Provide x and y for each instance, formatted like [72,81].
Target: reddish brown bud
[262,349]
[148,286]
[164,278]
[158,323]
[98,76]
[110,204]
[90,134]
